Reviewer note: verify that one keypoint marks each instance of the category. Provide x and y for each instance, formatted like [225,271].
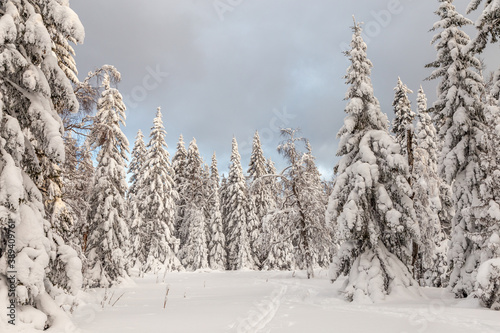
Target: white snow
[272,302]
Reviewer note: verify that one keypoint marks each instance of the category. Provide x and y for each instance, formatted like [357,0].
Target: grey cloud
[227,77]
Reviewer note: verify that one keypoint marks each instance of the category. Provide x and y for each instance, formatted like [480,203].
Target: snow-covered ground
[271,302]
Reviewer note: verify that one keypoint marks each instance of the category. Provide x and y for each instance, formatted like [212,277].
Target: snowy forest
[414,203]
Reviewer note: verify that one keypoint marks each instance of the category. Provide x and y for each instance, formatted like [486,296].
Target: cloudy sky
[220,68]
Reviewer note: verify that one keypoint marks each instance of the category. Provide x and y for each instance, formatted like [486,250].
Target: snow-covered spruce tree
[488,276]
[465,157]
[304,205]
[69,173]
[217,256]
[50,180]
[63,27]
[261,194]
[138,233]
[280,252]
[137,164]
[157,203]
[315,194]
[31,84]
[78,175]
[370,206]
[268,240]
[179,165]
[403,121]
[488,23]
[238,215]
[108,240]
[431,265]
[194,252]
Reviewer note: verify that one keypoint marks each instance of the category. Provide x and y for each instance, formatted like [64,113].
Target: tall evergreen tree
[194,252]
[180,178]
[431,268]
[217,256]
[78,175]
[370,205]
[488,277]
[32,86]
[238,215]
[304,205]
[138,231]
[157,202]
[108,240]
[316,202]
[465,155]
[261,194]
[403,121]
[137,163]
[273,227]
[279,249]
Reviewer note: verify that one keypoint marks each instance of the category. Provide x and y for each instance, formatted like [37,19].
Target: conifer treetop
[257,167]
[363,108]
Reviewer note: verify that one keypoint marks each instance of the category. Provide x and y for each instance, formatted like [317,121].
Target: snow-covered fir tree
[488,23]
[488,276]
[78,175]
[194,252]
[304,205]
[465,157]
[137,162]
[403,121]
[217,256]
[269,234]
[55,16]
[279,249]
[108,240]
[157,203]
[138,231]
[431,266]
[370,206]
[316,202]
[261,194]
[238,215]
[180,178]
[32,86]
